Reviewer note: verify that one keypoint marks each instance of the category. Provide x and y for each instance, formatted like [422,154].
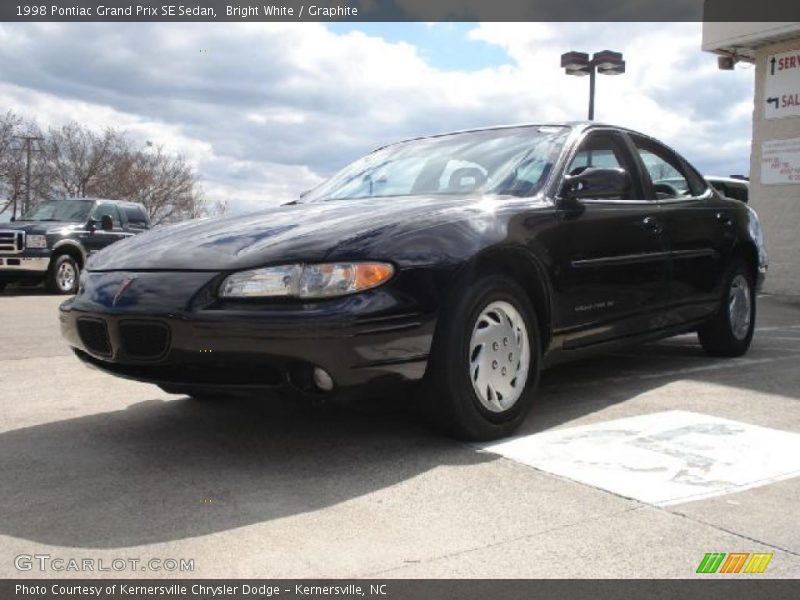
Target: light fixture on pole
[604,62]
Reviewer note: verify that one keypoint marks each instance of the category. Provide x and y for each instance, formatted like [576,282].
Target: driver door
[612,273]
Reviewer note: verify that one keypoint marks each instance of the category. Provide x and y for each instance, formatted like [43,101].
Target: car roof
[575,126]
[122,202]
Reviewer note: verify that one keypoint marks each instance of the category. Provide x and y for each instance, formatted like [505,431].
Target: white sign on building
[780,161]
[782,86]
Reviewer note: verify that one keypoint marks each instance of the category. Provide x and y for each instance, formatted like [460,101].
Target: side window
[603,158]
[670,177]
[136,218]
[721,188]
[605,151]
[106,208]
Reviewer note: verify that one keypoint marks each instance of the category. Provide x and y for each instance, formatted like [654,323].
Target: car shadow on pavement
[159,470]
[32,290]
[168,470]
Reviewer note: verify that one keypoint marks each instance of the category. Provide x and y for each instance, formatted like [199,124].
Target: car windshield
[512,161]
[73,211]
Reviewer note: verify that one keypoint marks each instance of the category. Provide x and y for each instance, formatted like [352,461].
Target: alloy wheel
[65,277]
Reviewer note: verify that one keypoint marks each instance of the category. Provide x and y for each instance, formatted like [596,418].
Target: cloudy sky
[265,111]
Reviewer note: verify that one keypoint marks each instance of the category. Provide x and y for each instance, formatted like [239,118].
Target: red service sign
[782,85]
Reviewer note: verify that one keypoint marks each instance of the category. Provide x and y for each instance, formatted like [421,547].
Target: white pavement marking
[662,458]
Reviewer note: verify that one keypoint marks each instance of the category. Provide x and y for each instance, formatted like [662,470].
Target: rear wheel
[485,362]
[63,275]
[2,286]
[729,334]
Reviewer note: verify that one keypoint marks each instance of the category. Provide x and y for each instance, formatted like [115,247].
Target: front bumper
[24,264]
[180,337]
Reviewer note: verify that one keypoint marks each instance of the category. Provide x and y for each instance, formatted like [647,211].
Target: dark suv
[52,242]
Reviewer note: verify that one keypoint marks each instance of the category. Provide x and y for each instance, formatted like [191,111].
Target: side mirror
[106,223]
[594,182]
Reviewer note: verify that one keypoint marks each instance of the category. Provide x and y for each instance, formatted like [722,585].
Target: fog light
[322,379]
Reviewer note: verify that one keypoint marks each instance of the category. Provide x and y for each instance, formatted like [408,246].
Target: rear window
[730,190]
[136,217]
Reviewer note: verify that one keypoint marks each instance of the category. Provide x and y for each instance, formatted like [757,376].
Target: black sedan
[466,262]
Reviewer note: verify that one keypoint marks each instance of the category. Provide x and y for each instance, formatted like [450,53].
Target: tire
[475,334]
[2,286]
[63,275]
[730,332]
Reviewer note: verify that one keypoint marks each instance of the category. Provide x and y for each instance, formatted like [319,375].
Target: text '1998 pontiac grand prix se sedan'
[466,262]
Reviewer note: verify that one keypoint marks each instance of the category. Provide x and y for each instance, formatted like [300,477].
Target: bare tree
[78,162]
[13,162]
[9,123]
[165,184]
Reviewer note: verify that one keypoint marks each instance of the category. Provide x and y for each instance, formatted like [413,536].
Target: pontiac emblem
[123,287]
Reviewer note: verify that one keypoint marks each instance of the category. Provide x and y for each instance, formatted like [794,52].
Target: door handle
[652,224]
[724,219]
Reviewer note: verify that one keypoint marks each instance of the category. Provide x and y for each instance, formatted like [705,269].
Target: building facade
[774,48]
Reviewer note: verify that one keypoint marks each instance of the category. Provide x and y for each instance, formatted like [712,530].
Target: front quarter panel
[449,238]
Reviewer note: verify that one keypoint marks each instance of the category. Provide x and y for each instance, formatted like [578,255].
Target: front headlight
[35,241]
[306,281]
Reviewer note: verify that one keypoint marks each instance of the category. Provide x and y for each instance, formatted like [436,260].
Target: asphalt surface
[99,468]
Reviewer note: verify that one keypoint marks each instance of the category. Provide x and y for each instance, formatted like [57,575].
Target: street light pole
[28,139]
[605,62]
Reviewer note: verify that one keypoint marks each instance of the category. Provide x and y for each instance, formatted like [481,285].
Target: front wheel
[729,334]
[63,275]
[484,366]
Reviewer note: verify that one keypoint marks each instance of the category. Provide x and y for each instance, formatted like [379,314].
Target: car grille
[94,335]
[12,241]
[144,339]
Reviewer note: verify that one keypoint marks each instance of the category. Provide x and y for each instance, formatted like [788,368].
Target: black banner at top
[399,10]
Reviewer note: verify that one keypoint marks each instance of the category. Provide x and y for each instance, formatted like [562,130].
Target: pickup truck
[52,242]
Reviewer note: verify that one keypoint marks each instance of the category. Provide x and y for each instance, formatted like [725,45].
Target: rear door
[135,219]
[612,269]
[99,238]
[699,230]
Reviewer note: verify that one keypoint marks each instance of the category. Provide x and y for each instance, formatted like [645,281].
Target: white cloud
[263,110]
[670,90]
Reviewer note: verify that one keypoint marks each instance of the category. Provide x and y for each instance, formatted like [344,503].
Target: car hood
[38,227]
[344,229]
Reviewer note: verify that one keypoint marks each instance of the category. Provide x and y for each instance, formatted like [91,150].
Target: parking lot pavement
[99,468]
